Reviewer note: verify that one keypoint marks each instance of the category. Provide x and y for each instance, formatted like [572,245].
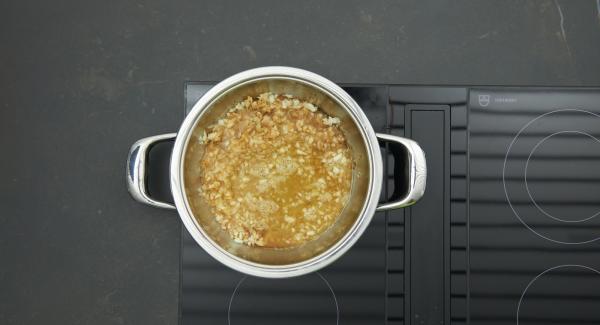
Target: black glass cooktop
[508,231]
[534,184]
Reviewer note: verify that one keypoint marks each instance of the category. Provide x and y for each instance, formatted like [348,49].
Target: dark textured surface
[80,81]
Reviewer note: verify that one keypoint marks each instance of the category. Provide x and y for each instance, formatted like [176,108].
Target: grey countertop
[80,81]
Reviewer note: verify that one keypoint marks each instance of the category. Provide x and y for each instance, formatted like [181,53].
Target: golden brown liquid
[276,172]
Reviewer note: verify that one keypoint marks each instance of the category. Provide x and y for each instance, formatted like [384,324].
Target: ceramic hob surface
[534,205]
[508,231]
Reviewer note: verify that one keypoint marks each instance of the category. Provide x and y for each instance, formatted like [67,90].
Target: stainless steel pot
[367,174]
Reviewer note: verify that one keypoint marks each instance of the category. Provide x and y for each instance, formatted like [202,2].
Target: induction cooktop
[507,232]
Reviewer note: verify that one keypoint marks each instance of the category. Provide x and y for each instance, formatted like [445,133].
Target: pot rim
[336,250]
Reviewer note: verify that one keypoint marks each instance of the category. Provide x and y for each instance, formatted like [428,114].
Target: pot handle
[416,172]
[136,170]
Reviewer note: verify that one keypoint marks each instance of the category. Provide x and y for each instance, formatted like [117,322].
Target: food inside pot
[275,170]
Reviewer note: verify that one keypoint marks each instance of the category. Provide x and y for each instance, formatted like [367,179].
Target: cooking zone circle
[300,300]
[550,175]
[573,287]
[529,191]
